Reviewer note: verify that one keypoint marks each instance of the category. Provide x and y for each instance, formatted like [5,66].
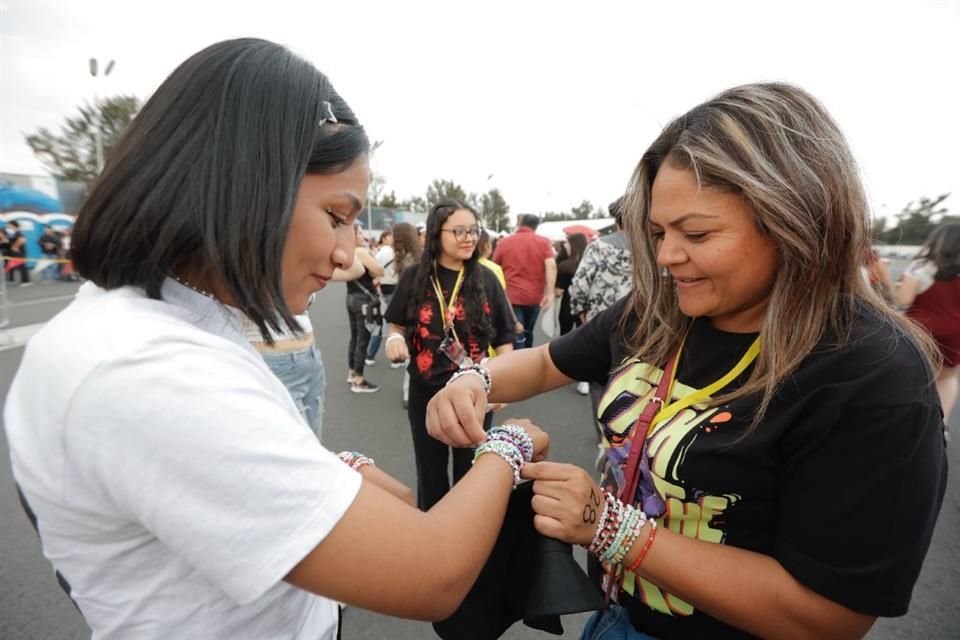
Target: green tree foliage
[915,222]
[554,216]
[389,201]
[582,211]
[494,210]
[72,155]
[441,189]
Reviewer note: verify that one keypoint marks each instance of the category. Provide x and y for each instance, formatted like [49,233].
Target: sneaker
[583,388]
[351,376]
[364,386]
[369,362]
[398,365]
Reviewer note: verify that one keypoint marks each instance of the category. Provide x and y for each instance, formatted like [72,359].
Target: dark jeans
[359,334]
[432,456]
[567,320]
[527,316]
[376,338]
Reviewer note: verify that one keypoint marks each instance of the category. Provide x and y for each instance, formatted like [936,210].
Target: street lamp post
[376,145]
[97,131]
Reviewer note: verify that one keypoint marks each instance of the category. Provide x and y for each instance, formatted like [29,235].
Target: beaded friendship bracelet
[618,528]
[511,443]
[646,547]
[355,459]
[473,369]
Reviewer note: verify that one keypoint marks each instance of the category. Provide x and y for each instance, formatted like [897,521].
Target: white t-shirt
[924,272]
[386,256]
[173,479]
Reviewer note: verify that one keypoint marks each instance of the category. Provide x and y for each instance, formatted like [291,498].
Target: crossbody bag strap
[632,473]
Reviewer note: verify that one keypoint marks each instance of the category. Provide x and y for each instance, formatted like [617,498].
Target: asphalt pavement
[32,607]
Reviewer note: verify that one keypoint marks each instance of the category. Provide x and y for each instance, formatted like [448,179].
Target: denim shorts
[612,623]
[303,374]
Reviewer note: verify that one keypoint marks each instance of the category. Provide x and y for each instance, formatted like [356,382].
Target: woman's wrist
[511,443]
[355,460]
[478,370]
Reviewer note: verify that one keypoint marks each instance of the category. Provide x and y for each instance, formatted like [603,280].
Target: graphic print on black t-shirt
[689,509]
[430,362]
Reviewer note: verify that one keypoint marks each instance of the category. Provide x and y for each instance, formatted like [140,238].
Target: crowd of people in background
[53,245]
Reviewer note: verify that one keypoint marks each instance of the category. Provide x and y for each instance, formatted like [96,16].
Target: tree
[378,184]
[582,211]
[916,221]
[389,201]
[554,216]
[72,155]
[494,210]
[441,189]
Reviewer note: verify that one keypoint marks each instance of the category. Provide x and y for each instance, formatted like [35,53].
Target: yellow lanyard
[447,308]
[671,409]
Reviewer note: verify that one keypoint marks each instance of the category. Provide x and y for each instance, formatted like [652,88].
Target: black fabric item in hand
[527,576]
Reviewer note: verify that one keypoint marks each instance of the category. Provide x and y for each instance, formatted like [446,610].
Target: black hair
[205,178]
[942,248]
[578,244]
[616,210]
[474,295]
[529,220]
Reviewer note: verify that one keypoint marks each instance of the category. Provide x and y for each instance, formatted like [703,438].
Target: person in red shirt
[531,269]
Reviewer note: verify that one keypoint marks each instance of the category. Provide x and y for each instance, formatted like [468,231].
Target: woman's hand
[567,502]
[455,413]
[396,349]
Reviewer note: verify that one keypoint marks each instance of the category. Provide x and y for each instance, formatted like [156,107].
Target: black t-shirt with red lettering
[427,364]
[841,482]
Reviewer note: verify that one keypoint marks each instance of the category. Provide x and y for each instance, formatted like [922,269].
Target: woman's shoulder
[878,355]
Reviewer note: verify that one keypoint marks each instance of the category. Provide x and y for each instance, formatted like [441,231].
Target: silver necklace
[197,289]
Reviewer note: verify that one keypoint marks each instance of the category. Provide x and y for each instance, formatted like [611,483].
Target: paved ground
[33,608]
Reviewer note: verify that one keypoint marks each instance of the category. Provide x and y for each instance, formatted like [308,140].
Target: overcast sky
[558,100]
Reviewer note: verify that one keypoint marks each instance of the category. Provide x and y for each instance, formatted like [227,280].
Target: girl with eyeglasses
[445,313]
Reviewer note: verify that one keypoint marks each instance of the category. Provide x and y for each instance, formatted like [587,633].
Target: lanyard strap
[446,308]
[648,420]
[673,408]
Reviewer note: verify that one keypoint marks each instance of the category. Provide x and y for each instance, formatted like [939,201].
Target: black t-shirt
[14,251]
[48,242]
[841,482]
[427,364]
[363,284]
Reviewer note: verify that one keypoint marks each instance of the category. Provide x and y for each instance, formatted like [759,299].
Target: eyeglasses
[462,234]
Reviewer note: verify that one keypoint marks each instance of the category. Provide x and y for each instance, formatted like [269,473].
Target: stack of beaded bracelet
[473,369]
[511,443]
[354,459]
[618,528]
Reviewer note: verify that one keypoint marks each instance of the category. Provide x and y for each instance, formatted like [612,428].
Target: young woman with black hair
[174,484]
[445,314]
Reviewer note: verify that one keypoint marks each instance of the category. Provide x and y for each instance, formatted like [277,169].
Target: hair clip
[329,117]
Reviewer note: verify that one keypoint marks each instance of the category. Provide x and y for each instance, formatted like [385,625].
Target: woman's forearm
[522,374]
[745,589]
